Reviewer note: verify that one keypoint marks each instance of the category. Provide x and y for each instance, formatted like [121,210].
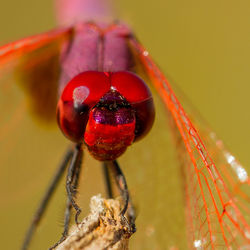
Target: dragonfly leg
[75,178]
[66,224]
[72,178]
[107,178]
[122,186]
[45,201]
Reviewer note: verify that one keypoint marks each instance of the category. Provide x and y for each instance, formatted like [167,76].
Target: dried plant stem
[103,228]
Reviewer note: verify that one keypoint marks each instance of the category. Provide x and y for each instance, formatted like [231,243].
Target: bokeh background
[204,46]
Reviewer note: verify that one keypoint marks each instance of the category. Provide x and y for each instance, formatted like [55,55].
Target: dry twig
[103,228]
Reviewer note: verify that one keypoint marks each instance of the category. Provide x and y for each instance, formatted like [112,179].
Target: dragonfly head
[105,111]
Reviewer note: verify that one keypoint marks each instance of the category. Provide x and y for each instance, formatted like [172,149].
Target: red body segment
[109,141]
[95,47]
[75,11]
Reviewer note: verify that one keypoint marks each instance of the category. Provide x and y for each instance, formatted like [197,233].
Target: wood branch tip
[103,228]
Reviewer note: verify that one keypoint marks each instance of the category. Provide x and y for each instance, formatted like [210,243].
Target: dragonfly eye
[79,96]
[107,111]
[139,96]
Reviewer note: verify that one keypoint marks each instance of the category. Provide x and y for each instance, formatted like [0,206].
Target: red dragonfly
[214,181]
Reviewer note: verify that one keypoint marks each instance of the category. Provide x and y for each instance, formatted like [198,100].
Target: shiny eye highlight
[80,94]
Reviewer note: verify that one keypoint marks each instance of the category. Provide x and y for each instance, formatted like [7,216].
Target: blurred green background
[203,45]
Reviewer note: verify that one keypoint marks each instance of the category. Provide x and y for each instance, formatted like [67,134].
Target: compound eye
[129,85]
[137,93]
[86,88]
[82,93]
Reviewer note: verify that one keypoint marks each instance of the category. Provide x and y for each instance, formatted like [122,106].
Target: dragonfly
[213,180]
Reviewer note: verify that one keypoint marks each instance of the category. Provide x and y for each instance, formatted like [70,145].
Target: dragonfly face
[106,111]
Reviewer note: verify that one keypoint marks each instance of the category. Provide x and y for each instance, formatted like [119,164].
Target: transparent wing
[29,153]
[35,64]
[14,51]
[215,196]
